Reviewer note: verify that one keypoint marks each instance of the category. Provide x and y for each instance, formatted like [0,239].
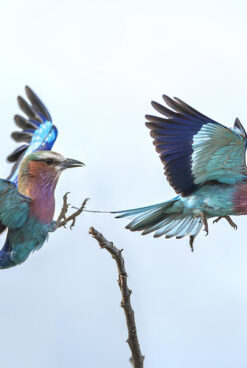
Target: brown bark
[137,357]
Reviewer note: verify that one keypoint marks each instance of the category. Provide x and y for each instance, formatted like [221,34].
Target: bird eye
[49,161]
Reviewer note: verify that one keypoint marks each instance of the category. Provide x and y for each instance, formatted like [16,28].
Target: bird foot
[62,220]
[229,220]
[64,210]
[205,222]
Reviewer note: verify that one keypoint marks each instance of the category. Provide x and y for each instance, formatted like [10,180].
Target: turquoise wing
[14,207]
[218,154]
[196,149]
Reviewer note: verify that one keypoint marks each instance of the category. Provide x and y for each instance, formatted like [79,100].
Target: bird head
[43,168]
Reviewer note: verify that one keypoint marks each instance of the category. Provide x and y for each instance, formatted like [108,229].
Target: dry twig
[137,357]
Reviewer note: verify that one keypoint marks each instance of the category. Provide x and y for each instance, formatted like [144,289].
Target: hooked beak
[69,163]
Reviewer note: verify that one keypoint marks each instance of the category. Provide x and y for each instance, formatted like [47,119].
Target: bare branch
[137,357]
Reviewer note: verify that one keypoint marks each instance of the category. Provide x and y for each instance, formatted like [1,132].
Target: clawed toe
[229,220]
[217,220]
[63,220]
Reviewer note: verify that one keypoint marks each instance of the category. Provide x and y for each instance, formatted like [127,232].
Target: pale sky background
[97,65]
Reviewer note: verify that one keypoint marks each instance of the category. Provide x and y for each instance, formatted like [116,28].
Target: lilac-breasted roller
[204,162]
[27,201]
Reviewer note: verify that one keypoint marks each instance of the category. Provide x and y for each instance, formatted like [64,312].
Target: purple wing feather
[193,147]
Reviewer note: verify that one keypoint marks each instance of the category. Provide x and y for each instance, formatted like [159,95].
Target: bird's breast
[43,209]
[240,199]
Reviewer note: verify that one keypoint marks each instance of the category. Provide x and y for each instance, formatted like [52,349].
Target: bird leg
[204,221]
[229,220]
[192,238]
[62,220]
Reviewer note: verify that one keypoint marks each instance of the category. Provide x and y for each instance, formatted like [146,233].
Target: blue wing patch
[194,148]
[38,131]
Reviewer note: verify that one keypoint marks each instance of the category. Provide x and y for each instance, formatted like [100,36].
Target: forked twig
[137,357]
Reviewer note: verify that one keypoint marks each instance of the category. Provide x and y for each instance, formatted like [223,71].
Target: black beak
[69,163]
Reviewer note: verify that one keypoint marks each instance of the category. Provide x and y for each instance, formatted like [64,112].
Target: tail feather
[179,227]
[171,225]
[157,226]
[136,211]
[146,220]
[187,229]
[196,229]
[165,218]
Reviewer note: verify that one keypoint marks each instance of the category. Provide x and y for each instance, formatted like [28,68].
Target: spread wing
[196,149]
[38,131]
[14,207]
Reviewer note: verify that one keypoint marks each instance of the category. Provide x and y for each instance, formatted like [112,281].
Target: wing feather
[194,148]
[38,131]
[14,207]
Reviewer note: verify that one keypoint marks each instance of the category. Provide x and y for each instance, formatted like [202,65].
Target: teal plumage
[27,211]
[204,162]
[27,200]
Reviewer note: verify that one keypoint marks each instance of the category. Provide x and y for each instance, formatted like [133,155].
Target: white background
[97,65]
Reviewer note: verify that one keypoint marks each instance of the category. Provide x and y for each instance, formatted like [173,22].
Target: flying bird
[204,161]
[27,201]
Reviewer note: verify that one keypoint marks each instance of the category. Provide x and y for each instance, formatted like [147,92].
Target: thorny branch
[62,220]
[137,357]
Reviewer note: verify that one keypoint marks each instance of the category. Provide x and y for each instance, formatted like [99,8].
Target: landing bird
[27,201]
[204,162]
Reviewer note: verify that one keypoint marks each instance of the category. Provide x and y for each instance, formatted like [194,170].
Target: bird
[204,162]
[27,201]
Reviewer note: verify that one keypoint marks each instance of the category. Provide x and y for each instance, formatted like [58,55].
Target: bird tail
[165,218]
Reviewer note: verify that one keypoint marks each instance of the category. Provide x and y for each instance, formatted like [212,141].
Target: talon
[232,224]
[72,217]
[229,220]
[217,220]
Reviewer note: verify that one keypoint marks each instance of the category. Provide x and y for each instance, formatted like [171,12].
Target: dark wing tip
[149,117]
[149,125]
[21,136]
[17,153]
[239,126]
[165,97]
[37,104]
[19,99]
[29,92]
[158,107]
